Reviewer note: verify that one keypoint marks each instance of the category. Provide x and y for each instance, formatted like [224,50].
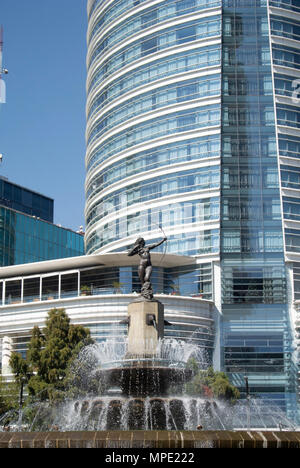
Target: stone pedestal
[146,327]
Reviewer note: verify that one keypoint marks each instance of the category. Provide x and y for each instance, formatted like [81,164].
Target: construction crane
[3,71]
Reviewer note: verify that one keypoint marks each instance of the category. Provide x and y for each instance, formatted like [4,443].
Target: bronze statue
[145,267]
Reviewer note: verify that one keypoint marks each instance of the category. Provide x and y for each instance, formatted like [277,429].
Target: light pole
[248,401]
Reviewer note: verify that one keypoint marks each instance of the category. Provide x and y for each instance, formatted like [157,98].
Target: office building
[27,231]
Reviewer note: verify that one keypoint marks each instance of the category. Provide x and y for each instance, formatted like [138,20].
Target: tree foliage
[20,368]
[49,354]
[210,383]
[9,396]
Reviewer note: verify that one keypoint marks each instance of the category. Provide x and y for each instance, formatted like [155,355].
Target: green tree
[22,372]
[36,344]
[20,368]
[49,354]
[211,383]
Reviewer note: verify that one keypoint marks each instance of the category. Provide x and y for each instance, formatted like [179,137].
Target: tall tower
[192,124]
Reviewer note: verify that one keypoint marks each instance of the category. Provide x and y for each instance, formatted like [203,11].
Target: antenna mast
[1,49]
[3,71]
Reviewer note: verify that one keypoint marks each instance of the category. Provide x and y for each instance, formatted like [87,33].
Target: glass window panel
[69,285]
[50,287]
[149,46]
[186,34]
[13,292]
[31,289]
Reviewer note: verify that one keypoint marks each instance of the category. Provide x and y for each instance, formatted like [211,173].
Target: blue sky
[42,124]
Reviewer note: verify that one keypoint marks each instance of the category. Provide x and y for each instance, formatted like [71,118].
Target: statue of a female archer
[145,267]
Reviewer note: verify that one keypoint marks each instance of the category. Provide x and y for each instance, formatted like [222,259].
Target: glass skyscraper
[27,231]
[193,119]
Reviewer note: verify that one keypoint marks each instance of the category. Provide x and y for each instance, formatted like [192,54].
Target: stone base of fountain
[151,439]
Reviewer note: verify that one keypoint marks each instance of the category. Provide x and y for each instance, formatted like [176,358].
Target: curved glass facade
[103,281]
[164,96]
[193,124]
[153,108]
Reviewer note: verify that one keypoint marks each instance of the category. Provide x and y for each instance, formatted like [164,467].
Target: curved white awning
[109,260]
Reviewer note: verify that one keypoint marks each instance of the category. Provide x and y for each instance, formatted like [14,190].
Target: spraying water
[118,404]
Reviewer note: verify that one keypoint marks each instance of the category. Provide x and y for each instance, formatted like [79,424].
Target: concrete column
[146,327]
[7,349]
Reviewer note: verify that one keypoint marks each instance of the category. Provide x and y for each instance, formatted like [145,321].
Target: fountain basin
[144,377]
[138,413]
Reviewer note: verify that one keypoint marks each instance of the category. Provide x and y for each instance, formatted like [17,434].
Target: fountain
[129,396]
[138,385]
[135,390]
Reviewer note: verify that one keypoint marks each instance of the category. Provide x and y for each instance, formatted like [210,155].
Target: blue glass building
[26,201]
[26,239]
[193,124]
[27,231]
